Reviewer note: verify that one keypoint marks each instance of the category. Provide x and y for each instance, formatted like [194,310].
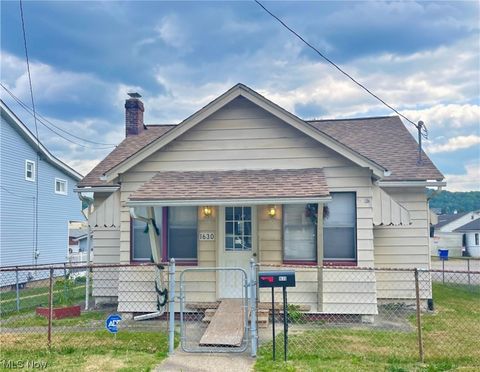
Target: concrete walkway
[205,362]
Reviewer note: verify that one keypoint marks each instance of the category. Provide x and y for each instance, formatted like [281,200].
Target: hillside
[448,201]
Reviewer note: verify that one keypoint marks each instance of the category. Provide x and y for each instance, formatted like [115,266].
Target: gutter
[225,202]
[96,189]
[438,184]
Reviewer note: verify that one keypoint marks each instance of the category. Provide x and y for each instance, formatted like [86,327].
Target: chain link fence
[53,305]
[403,314]
[395,314]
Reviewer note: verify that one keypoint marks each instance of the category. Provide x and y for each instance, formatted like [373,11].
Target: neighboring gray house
[21,170]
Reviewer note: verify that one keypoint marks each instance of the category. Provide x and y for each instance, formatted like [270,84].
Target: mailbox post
[283,279]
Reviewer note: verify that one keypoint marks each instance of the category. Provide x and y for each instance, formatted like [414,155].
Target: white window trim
[66,186]
[34,169]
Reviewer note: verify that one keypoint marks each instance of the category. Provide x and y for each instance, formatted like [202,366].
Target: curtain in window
[182,232]
[339,228]
[300,233]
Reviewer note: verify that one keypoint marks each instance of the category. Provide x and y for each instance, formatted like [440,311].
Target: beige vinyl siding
[404,247]
[137,284]
[105,251]
[243,136]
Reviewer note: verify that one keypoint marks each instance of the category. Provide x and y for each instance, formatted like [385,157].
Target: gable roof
[386,141]
[445,219]
[30,138]
[237,91]
[123,151]
[351,138]
[471,226]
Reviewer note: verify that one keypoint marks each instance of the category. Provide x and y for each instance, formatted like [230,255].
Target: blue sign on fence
[111,324]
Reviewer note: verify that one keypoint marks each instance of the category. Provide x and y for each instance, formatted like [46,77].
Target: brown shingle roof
[241,184]
[124,150]
[386,141]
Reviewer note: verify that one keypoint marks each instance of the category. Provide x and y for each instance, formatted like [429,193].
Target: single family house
[244,178]
[37,200]
[455,232]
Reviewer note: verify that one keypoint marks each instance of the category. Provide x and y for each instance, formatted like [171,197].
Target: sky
[421,57]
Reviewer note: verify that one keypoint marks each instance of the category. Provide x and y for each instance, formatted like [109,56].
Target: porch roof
[233,187]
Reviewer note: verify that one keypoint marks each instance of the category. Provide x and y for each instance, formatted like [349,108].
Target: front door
[236,248]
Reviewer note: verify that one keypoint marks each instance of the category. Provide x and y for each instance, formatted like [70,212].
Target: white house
[447,234]
[471,237]
[267,185]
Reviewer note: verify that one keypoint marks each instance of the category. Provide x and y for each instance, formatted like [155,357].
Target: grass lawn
[30,319]
[33,297]
[451,337]
[91,351]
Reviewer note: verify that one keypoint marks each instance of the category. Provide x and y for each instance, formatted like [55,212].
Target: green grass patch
[450,342]
[32,320]
[92,351]
[31,298]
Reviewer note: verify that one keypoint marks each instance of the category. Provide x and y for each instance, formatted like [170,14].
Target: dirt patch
[102,363]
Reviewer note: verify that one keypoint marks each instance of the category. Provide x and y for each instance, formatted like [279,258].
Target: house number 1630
[206,236]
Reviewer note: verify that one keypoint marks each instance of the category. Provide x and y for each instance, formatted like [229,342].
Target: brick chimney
[134,115]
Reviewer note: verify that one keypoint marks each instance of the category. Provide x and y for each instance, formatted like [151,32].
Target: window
[176,231]
[60,186]
[339,228]
[299,233]
[182,233]
[238,228]
[30,170]
[140,240]
[476,239]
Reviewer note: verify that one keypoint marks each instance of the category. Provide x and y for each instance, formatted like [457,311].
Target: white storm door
[235,249]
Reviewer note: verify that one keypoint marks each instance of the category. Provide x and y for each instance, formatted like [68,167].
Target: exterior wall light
[207,211]
[272,211]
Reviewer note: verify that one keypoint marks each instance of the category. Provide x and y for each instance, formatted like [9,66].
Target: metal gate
[212,324]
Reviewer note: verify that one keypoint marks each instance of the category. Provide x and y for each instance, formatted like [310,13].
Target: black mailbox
[270,279]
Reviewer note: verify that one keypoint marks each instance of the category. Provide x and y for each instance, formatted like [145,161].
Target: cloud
[465,182]
[455,143]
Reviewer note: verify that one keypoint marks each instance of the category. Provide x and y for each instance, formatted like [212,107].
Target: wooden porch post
[320,257]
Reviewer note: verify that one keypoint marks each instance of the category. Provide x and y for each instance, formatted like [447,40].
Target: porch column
[320,257]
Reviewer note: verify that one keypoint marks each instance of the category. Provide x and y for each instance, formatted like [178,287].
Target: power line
[35,248]
[16,195]
[42,120]
[420,127]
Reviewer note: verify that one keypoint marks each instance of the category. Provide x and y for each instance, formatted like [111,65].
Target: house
[471,237]
[27,167]
[243,178]
[447,234]
[78,241]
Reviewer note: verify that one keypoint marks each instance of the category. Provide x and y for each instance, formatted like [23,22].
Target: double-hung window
[339,228]
[176,230]
[30,170]
[60,186]
[299,233]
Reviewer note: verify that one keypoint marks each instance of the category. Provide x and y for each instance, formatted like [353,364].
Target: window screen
[300,233]
[182,232]
[140,240]
[339,228]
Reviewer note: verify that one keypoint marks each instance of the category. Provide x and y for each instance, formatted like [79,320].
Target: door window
[238,228]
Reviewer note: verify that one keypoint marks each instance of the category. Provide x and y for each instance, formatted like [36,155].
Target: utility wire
[421,127]
[16,195]
[42,120]
[37,166]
